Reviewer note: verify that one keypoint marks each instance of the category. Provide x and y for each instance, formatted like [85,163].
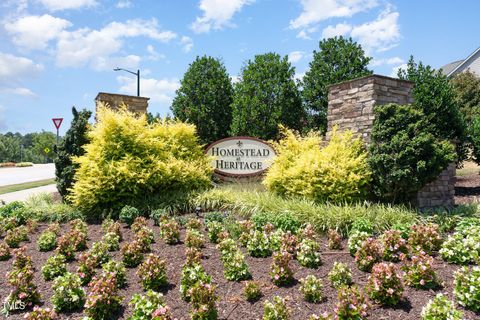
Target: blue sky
[58,53]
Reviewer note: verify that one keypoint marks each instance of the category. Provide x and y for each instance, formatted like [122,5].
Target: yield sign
[57,122]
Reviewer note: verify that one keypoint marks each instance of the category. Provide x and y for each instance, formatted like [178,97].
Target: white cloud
[108,63]
[187,43]
[124,4]
[34,32]
[303,35]
[14,69]
[236,79]
[299,76]
[158,90]
[56,5]
[315,11]
[295,56]
[340,29]
[217,14]
[86,46]
[386,61]
[153,54]
[19,91]
[379,35]
[395,70]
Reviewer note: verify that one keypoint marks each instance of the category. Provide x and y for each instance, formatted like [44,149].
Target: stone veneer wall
[350,106]
[134,103]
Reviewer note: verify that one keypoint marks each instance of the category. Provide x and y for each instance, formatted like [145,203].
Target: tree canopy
[265,97]
[339,59]
[204,98]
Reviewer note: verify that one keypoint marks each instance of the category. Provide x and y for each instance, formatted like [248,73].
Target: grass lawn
[25,185]
[469,167]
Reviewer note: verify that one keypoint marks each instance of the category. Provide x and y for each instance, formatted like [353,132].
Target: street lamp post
[135,73]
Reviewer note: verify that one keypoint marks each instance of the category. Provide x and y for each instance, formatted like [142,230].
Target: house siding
[473,64]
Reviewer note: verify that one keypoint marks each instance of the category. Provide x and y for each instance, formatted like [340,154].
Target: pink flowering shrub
[103,299]
[203,298]
[4,251]
[419,272]
[153,272]
[110,226]
[41,314]
[308,232]
[369,253]
[194,224]
[163,313]
[334,240]
[145,237]
[86,268]
[194,239]
[385,284]
[193,256]
[352,304]
[425,237]
[394,246]
[308,254]
[138,224]
[132,253]
[245,227]
[170,231]
[289,243]
[66,247]
[280,271]
[20,278]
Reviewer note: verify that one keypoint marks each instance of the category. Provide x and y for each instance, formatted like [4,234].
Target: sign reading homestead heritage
[240,156]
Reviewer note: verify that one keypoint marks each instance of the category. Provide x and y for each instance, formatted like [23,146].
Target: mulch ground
[467,189]
[231,304]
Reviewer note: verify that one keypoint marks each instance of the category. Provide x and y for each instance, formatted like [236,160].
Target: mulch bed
[231,304]
[467,189]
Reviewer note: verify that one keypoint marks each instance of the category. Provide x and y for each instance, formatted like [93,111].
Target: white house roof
[449,69]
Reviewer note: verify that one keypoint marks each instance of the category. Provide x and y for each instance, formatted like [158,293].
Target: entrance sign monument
[240,156]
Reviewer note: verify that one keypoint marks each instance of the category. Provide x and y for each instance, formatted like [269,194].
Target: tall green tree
[339,59]
[434,96]
[265,97]
[71,146]
[466,86]
[204,98]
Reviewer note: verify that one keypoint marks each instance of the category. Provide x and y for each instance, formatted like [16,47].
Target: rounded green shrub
[338,172]
[128,214]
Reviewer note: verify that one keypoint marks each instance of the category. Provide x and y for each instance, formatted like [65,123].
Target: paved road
[25,194]
[38,172]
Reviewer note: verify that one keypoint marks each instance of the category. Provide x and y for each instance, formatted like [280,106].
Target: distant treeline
[36,147]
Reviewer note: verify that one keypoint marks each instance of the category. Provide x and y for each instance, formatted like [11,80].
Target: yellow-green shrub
[131,162]
[337,172]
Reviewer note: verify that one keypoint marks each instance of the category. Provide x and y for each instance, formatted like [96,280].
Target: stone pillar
[350,106]
[350,103]
[114,101]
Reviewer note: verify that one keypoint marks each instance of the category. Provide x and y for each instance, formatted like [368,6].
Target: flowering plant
[54,267]
[110,226]
[307,232]
[86,268]
[214,229]
[68,293]
[138,224]
[308,254]
[276,310]
[369,253]
[99,253]
[103,299]
[289,243]
[251,291]
[202,297]
[41,314]
[235,268]
[425,237]
[245,227]
[280,271]
[132,254]
[4,251]
[419,272]
[47,241]
[152,272]
[194,239]
[311,288]
[258,244]
[112,240]
[191,274]
[467,287]
[340,275]
[440,308]
[334,240]
[145,237]
[144,306]
[355,240]
[170,231]
[352,304]
[463,246]
[66,247]
[394,246]
[385,284]
[118,269]
[194,224]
